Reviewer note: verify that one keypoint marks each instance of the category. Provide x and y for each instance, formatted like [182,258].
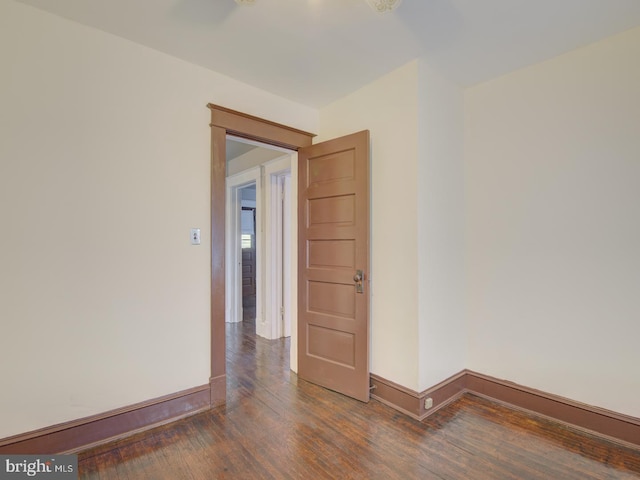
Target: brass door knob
[358,279]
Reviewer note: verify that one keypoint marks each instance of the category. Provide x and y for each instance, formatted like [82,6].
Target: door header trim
[247,126]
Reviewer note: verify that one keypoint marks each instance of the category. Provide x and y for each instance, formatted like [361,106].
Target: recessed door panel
[331,299]
[332,254]
[331,345]
[335,167]
[337,211]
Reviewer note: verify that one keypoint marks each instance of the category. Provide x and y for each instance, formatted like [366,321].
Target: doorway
[248,249]
[243,238]
[226,122]
[259,237]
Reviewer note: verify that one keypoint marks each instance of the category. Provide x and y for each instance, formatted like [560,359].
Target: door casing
[230,122]
[279,256]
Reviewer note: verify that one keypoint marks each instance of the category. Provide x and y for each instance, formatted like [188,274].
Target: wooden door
[248,272]
[333,244]
[248,251]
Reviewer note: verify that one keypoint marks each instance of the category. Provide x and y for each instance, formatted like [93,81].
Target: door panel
[248,271]
[248,223]
[332,253]
[332,211]
[333,231]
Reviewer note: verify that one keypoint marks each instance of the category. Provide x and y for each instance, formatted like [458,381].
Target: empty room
[320,238]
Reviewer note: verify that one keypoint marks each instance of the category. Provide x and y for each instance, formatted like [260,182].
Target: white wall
[441,315]
[553,226]
[388,108]
[104,168]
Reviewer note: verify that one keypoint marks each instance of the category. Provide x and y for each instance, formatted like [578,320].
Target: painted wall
[441,315]
[553,227]
[388,108]
[104,168]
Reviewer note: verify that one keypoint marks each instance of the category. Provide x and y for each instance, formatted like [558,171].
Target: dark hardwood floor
[249,309]
[276,426]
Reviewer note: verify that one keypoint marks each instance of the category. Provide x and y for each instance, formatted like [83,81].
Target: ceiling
[316,51]
[235,149]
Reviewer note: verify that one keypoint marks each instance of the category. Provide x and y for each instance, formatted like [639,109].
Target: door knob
[358,279]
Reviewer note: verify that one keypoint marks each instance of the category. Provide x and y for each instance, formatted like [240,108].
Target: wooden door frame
[230,122]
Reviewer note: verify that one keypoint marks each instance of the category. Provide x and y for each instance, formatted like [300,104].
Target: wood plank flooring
[275,426]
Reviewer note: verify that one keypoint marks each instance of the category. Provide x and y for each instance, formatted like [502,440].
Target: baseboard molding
[92,431]
[411,402]
[614,426]
[604,422]
[77,435]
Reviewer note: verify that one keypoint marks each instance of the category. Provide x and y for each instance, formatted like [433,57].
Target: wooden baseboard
[71,437]
[411,402]
[92,431]
[614,426]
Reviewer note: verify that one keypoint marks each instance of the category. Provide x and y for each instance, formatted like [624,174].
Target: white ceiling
[235,149]
[316,51]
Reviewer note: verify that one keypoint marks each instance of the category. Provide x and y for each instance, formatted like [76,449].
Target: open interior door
[333,264]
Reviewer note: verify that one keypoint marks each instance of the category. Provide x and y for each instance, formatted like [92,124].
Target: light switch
[195,236]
